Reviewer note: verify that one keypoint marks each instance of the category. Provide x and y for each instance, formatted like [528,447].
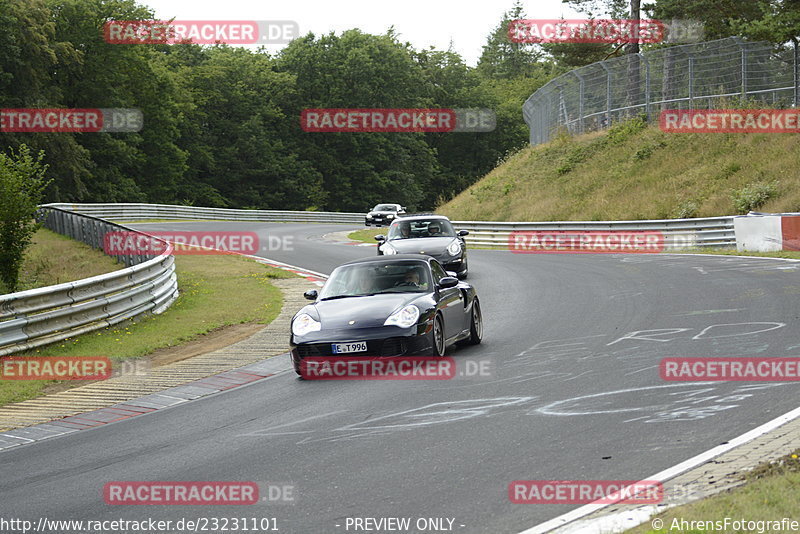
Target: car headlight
[455,248]
[404,318]
[369,215]
[390,216]
[388,249]
[303,324]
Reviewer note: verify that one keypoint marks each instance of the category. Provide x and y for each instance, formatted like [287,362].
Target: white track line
[671,472]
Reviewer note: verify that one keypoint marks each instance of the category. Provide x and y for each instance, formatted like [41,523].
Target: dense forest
[222,123]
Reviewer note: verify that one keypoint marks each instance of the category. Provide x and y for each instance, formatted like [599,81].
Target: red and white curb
[312,276]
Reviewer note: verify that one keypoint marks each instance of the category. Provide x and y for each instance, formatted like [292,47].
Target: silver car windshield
[421,228]
[374,278]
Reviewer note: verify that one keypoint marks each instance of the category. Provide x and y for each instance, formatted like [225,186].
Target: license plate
[342,348]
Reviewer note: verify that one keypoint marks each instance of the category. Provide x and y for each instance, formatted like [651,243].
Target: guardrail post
[608,93]
[744,70]
[796,76]
[646,86]
[691,80]
[581,86]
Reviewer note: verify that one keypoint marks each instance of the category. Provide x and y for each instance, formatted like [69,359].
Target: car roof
[421,217]
[392,259]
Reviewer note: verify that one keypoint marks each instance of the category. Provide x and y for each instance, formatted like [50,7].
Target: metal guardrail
[36,317]
[133,212]
[679,233]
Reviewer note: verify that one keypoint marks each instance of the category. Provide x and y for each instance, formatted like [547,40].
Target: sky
[424,23]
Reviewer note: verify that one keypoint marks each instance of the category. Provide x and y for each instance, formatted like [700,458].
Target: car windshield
[421,228]
[385,207]
[373,278]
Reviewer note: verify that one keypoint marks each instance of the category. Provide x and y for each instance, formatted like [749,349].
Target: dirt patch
[211,341]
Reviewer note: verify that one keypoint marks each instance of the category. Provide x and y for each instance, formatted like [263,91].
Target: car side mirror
[402,208]
[462,233]
[448,281]
[380,237]
[311,294]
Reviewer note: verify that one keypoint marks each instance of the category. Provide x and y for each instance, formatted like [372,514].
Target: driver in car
[434,230]
[410,278]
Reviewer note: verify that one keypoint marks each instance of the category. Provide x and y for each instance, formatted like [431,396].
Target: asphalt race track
[574,393]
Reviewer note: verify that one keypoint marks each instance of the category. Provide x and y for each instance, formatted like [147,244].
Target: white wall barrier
[767,232]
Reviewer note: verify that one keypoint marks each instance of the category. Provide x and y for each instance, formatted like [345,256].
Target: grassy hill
[636,171]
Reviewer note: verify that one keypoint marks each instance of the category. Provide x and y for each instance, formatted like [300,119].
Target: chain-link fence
[700,75]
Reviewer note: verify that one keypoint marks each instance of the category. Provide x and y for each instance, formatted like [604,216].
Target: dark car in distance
[432,235]
[403,305]
[384,214]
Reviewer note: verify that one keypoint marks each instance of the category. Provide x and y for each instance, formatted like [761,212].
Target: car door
[450,302]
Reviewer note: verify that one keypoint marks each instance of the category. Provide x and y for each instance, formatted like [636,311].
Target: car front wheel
[476,324]
[437,336]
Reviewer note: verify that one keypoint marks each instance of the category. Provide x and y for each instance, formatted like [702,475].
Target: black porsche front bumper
[381,342]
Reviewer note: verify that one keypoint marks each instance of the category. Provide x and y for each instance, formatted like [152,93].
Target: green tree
[237,132]
[29,54]
[358,70]
[125,167]
[720,18]
[22,183]
[503,58]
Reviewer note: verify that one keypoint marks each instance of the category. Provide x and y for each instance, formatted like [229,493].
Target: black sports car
[399,306]
[384,214]
[427,234]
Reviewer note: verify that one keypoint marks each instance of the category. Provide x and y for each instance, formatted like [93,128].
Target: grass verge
[215,291]
[54,259]
[770,494]
[635,171]
[786,254]
[367,235]
[148,221]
